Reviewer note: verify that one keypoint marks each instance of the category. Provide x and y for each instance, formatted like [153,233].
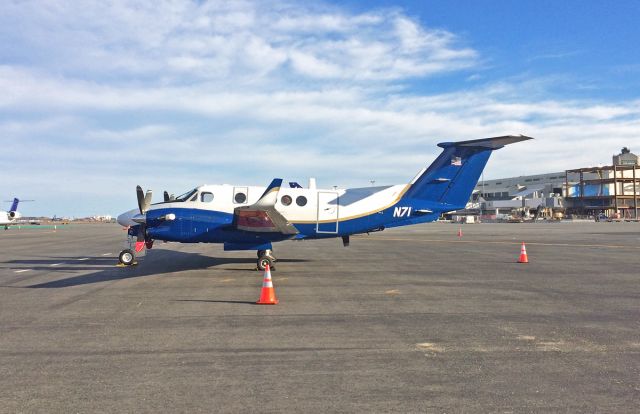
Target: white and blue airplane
[253,218]
[9,217]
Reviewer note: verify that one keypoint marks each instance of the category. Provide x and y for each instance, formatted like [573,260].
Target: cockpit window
[187,195]
[194,198]
[206,197]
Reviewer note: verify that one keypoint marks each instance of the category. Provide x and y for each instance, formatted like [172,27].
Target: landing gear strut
[265,257]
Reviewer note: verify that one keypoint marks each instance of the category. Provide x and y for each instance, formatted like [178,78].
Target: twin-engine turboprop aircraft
[253,218]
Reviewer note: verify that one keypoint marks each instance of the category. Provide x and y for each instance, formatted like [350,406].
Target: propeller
[144,201]
[168,198]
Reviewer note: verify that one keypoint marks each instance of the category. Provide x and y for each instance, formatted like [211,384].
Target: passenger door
[328,212]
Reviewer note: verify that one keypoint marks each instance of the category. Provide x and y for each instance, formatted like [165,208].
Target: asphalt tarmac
[407,320]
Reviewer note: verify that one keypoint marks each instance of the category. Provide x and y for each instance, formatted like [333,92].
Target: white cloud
[218,39]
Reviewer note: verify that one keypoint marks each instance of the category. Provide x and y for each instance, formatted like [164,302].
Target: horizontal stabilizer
[489,143]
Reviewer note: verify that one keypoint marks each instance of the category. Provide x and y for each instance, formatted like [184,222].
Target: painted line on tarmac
[16,232]
[21,270]
[608,246]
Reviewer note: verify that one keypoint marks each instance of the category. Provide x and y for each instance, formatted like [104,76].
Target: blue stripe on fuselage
[210,226]
[193,225]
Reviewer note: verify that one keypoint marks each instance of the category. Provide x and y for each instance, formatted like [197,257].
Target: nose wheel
[266,257]
[127,257]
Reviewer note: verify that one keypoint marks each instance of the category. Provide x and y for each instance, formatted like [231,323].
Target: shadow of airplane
[158,262]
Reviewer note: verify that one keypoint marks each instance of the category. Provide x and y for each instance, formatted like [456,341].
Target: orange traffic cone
[459,231]
[268,295]
[523,255]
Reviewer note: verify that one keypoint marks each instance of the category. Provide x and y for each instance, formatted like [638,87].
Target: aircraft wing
[262,216]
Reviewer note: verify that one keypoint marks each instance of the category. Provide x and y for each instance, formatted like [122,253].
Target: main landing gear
[266,257]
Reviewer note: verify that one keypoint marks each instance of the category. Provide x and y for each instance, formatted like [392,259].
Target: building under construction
[605,191]
[613,191]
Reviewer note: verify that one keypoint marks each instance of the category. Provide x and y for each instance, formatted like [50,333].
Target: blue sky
[99,96]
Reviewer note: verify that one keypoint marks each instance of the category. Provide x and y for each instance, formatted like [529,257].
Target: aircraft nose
[125,219]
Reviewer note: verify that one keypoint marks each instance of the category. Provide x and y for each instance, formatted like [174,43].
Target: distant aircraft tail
[14,206]
[451,178]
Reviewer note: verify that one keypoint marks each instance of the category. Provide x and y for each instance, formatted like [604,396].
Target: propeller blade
[144,200]
[147,200]
[140,195]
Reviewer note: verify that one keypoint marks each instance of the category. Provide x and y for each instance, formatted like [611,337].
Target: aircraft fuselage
[208,215]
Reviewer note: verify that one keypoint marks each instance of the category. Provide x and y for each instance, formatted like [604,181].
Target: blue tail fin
[454,174]
[14,206]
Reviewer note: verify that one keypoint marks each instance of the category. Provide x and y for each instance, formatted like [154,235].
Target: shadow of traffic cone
[523,255]
[459,231]
[268,294]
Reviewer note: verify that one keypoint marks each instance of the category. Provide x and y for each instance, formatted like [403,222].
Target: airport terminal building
[612,191]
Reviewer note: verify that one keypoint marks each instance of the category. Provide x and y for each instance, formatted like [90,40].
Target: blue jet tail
[451,178]
[14,206]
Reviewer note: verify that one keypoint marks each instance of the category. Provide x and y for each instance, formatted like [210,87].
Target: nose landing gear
[127,257]
[266,257]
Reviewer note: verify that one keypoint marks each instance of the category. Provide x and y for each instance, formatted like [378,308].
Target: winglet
[263,216]
[270,195]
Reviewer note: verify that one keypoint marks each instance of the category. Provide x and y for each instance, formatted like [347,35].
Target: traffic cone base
[268,294]
[460,232]
[523,255]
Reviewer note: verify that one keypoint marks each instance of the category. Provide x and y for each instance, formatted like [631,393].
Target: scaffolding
[609,190]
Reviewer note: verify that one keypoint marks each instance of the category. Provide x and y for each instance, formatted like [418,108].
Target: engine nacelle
[14,215]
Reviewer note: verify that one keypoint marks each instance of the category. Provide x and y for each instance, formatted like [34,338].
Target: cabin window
[301,201]
[240,197]
[206,197]
[286,200]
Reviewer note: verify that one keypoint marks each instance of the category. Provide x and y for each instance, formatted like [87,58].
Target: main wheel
[268,253]
[127,257]
[264,261]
